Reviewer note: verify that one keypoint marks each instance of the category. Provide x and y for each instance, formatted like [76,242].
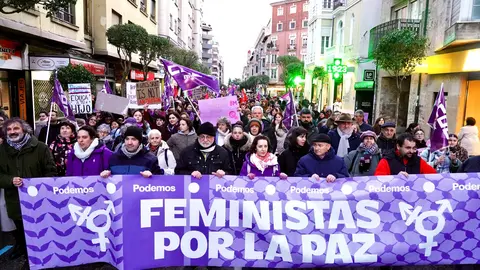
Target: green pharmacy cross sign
[337,68]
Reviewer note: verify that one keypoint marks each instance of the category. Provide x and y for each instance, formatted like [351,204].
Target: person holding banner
[89,155]
[204,157]
[63,145]
[260,161]
[22,156]
[322,162]
[297,148]
[132,157]
[158,147]
[364,160]
[238,145]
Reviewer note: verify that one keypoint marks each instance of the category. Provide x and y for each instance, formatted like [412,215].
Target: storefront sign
[22,100]
[138,75]
[80,98]
[47,63]
[148,93]
[10,54]
[94,68]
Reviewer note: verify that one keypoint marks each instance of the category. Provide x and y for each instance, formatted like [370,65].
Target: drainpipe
[417,107]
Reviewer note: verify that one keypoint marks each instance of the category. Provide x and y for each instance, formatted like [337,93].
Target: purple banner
[189,79]
[136,223]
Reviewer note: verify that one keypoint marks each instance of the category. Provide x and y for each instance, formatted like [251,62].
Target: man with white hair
[257,113]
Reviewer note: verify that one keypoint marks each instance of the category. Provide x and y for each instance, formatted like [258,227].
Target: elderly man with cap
[132,158]
[204,157]
[387,141]
[344,139]
[364,160]
[321,161]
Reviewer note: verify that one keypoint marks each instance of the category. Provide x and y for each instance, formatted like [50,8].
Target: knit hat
[207,129]
[389,124]
[130,120]
[134,132]
[255,121]
[368,133]
[322,138]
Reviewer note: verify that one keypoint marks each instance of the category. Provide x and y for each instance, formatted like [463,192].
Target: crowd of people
[325,145]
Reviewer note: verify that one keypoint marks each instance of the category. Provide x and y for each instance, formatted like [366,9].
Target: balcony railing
[339,3]
[292,47]
[381,30]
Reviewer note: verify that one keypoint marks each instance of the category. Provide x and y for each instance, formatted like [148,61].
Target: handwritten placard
[148,93]
[80,98]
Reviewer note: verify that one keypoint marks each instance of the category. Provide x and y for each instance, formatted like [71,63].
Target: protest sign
[132,95]
[197,94]
[137,223]
[212,109]
[148,93]
[111,103]
[80,98]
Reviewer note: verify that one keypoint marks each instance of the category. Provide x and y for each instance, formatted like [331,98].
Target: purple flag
[438,122]
[231,90]
[168,92]
[188,78]
[289,114]
[61,100]
[106,88]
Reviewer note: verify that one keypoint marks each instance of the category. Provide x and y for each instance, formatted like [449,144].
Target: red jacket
[384,169]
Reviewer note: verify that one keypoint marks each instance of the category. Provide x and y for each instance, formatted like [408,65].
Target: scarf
[172,129]
[366,154]
[21,143]
[263,162]
[206,150]
[343,145]
[153,148]
[131,154]
[84,154]
[220,138]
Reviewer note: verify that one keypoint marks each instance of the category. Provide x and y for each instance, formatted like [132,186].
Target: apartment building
[207,45]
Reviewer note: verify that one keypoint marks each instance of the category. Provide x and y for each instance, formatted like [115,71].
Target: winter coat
[387,146]
[220,137]
[192,159]
[119,163]
[180,141]
[365,127]
[249,167]
[276,141]
[354,140]
[352,162]
[166,159]
[169,132]
[471,165]
[53,133]
[393,164]
[468,139]
[462,153]
[237,154]
[312,130]
[108,141]
[331,164]
[96,163]
[33,160]
[60,148]
[447,167]
[289,158]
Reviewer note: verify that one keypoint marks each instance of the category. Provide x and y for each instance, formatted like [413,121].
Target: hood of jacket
[191,133]
[244,148]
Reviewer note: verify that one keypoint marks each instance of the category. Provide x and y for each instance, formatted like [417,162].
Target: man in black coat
[204,157]
[344,139]
[387,141]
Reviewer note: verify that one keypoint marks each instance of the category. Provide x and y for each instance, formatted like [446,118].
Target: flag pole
[195,110]
[50,113]
[294,108]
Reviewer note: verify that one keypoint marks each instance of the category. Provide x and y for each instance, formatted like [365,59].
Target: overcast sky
[236,25]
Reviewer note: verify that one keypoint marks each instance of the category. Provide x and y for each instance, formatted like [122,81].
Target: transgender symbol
[414,215]
[80,217]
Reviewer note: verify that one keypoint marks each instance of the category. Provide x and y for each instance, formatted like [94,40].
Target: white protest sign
[80,98]
[111,103]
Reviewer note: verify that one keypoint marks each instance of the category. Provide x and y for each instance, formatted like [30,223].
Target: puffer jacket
[331,164]
[96,163]
[119,163]
[180,141]
[192,159]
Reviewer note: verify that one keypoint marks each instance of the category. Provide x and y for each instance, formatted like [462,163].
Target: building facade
[207,45]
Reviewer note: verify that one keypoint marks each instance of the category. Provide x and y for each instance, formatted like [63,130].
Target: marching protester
[92,121]
[442,160]
[204,157]
[360,119]
[184,138]
[114,129]
[260,161]
[22,156]
[461,152]
[89,156]
[238,145]
[387,141]
[344,139]
[364,160]
[172,126]
[277,134]
[223,129]
[63,145]
[404,160]
[419,135]
[132,158]
[468,137]
[297,148]
[160,149]
[52,132]
[104,135]
[306,121]
[138,116]
[412,128]
[377,127]
[321,162]
[255,128]
[257,113]
[42,122]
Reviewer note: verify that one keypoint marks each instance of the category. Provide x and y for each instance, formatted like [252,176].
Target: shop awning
[364,86]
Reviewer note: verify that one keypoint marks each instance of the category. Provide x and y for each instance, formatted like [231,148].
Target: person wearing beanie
[255,127]
[204,157]
[344,138]
[387,141]
[364,160]
[321,162]
[237,145]
[132,158]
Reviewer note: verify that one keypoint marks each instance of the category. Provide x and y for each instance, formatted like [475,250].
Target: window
[274,59]
[279,27]
[67,14]
[293,9]
[415,12]
[116,18]
[143,6]
[305,7]
[399,13]
[305,23]
[339,39]
[327,3]
[171,22]
[292,54]
[476,10]
[273,74]
[303,57]
[153,9]
[176,26]
[352,26]
[304,41]
[87,22]
[293,24]
[280,11]
[293,41]
[325,43]
[274,42]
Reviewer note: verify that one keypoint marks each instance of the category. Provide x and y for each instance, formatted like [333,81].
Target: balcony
[380,30]
[292,47]
[206,55]
[461,34]
[339,3]
[207,36]
[206,46]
